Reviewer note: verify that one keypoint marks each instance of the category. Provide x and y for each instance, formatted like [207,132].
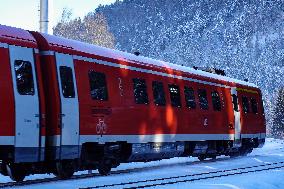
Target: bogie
[64,169]
[104,167]
[16,172]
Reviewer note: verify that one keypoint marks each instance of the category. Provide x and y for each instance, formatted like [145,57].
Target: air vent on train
[211,70]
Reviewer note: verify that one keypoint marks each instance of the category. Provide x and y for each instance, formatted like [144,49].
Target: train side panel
[252,114]
[21,96]
[117,112]
[7,112]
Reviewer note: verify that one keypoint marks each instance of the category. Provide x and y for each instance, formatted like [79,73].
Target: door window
[235,102]
[24,77]
[67,83]
[245,104]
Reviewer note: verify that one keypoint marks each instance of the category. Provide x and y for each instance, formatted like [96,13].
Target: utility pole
[43,22]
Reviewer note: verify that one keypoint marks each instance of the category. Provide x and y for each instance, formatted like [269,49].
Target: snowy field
[273,151]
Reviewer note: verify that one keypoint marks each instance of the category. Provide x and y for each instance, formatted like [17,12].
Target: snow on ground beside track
[273,151]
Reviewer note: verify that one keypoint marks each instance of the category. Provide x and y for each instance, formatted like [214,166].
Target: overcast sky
[24,13]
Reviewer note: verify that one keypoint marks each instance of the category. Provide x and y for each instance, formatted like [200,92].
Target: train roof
[22,37]
[16,36]
[83,49]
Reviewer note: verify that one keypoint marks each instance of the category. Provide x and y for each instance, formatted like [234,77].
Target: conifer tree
[278,116]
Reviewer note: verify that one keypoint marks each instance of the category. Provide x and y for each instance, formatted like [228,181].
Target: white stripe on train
[9,140]
[162,137]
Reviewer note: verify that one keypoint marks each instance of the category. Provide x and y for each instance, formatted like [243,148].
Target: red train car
[69,106]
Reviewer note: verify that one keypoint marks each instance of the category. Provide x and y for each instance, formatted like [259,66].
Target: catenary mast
[43,22]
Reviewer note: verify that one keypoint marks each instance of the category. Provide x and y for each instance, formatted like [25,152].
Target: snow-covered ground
[273,151]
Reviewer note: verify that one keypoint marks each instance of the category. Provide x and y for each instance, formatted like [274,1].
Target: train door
[27,130]
[69,137]
[237,136]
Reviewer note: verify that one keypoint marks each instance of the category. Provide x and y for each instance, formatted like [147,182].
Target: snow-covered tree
[243,37]
[92,29]
[278,116]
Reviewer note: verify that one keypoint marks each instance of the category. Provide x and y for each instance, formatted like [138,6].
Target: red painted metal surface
[120,112]
[41,94]
[7,110]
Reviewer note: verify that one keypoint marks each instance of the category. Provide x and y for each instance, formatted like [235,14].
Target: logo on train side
[205,123]
[120,86]
[101,127]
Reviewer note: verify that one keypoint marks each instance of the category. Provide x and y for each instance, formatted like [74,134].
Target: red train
[68,106]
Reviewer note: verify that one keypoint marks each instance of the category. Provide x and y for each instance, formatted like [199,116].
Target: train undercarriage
[104,157]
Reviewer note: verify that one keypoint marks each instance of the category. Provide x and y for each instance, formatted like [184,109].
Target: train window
[203,102]
[253,105]
[189,97]
[67,83]
[175,95]
[24,77]
[245,104]
[235,102]
[216,101]
[98,86]
[140,91]
[158,93]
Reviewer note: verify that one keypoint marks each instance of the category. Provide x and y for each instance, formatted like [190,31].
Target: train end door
[237,118]
[27,125]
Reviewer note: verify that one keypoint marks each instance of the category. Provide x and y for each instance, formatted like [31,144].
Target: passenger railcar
[69,106]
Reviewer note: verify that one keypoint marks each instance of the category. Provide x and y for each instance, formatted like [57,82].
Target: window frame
[235,102]
[245,107]
[31,89]
[64,94]
[254,105]
[137,99]
[216,101]
[189,96]
[102,95]
[173,98]
[159,91]
[200,100]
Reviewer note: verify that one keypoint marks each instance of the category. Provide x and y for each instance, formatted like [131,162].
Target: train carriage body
[22,98]
[70,104]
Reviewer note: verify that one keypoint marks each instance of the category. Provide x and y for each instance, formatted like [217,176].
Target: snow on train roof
[17,34]
[116,54]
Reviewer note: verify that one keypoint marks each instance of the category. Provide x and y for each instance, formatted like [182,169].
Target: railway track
[152,182]
[147,183]
[84,176]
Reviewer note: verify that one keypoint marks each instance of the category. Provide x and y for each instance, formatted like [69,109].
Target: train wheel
[104,168]
[3,169]
[16,172]
[64,169]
